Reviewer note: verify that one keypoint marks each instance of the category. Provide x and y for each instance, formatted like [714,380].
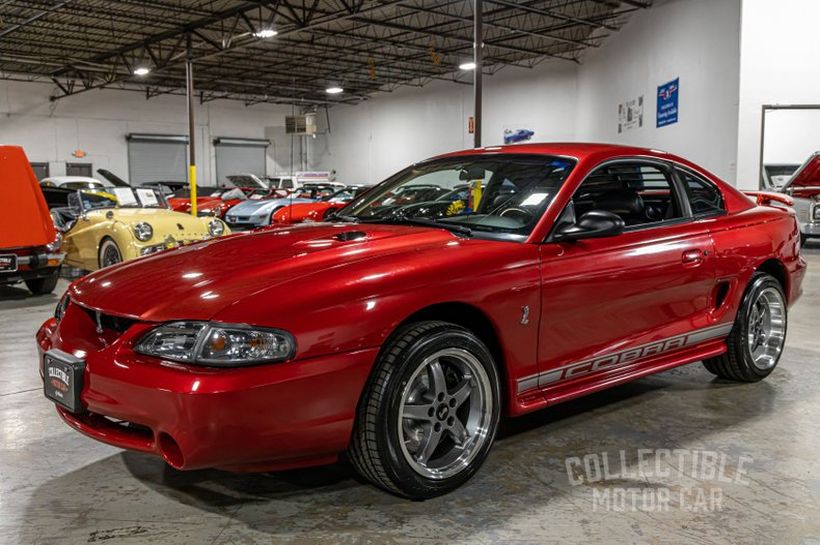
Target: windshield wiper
[340,217]
[421,222]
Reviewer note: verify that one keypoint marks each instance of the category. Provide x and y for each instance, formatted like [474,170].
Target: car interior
[639,193]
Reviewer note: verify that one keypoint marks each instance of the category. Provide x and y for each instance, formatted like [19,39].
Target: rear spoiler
[769,198]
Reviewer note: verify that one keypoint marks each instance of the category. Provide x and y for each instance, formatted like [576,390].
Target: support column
[189,88]
[478,55]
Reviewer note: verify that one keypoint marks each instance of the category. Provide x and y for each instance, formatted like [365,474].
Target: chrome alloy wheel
[767,328]
[445,413]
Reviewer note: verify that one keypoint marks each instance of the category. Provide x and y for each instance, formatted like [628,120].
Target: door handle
[693,258]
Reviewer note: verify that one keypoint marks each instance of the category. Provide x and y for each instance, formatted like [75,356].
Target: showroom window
[40,170]
[704,197]
[640,193]
[78,169]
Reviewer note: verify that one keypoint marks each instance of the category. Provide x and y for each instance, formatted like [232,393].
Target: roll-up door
[240,156]
[157,157]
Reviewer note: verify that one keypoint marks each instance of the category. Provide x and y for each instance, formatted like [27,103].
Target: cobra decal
[623,358]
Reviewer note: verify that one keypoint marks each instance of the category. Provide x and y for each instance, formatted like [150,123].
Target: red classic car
[30,247]
[599,265]
[319,210]
[210,201]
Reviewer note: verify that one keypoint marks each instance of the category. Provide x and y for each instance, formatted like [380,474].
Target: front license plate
[8,262]
[63,375]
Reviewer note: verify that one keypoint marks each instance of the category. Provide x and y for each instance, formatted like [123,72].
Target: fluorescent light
[265,33]
[142,71]
[469,65]
[333,90]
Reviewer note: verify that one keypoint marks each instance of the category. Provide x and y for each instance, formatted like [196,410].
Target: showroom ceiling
[364,46]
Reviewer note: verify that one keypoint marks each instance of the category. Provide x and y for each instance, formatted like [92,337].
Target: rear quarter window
[705,198]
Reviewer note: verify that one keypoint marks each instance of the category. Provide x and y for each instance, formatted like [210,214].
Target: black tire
[108,245]
[803,239]
[43,286]
[737,363]
[377,451]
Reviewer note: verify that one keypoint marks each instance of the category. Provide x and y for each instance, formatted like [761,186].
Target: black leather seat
[624,202]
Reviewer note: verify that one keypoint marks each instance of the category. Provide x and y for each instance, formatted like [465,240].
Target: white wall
[98,121]
[373,140]
[696,40]
[778,60]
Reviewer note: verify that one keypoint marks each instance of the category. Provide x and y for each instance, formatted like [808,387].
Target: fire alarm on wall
[78,153]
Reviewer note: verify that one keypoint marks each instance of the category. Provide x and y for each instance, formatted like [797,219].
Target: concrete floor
[57,486]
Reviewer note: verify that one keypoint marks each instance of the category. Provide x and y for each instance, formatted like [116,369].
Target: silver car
[254,213]
[804,188]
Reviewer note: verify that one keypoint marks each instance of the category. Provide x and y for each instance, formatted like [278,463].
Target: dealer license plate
[8,262]
[63,375]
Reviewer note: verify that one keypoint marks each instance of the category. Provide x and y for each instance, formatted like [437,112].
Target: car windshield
[780,174]
[315,191]
[503,194]
[346,194]
[201,191]
[117,197]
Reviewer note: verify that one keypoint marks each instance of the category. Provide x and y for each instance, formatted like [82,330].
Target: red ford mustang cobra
[574,268]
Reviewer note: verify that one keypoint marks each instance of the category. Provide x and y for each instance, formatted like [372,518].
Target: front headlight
[218,345]
[816,212]
[216,228]
[143,231]
[56,244]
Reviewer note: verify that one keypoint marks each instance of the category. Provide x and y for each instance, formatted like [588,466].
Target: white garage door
[240,156]
[154,158]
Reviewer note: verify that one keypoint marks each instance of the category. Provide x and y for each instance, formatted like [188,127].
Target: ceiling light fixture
[469,65]
[265,33]
[142,71]
[334,90]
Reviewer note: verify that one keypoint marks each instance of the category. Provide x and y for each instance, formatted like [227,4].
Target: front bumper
[810,229]
[263,417]
[245,222]
[32,265]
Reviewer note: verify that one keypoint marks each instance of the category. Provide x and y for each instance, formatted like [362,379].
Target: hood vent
[349,236]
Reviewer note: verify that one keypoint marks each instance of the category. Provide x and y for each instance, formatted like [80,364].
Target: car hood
[807,176]
[263,206]
[199,280]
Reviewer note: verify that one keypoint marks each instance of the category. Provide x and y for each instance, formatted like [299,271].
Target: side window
[704,197]
[639,192]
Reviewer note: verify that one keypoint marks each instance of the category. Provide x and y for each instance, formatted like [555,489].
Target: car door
[605,297]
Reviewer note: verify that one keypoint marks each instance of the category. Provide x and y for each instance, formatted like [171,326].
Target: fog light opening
[170,451]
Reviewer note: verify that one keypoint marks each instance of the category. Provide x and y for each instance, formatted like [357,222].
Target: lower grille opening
[130,427]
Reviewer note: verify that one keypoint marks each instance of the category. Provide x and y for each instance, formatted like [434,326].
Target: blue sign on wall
[668,103]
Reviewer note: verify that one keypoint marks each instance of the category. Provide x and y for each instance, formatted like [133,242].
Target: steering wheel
[520,212]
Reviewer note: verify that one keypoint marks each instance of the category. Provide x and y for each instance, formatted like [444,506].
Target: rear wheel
[42,286]
[109,253]
[428,417]
[758,336]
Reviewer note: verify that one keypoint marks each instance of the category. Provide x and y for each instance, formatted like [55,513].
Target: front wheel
[42,286]
[756,341]
[428,417]
[109,253]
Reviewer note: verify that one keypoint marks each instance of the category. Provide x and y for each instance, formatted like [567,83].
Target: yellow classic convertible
[104,227]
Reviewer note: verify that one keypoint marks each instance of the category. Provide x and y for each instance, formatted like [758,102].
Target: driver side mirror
[593,224]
